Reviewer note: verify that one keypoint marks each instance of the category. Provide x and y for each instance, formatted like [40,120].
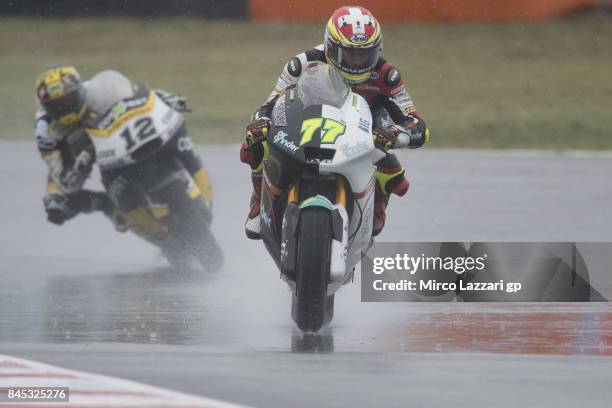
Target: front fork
[339,232]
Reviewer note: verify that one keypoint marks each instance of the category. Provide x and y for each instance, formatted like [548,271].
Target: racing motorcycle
[135,141]
[318,185]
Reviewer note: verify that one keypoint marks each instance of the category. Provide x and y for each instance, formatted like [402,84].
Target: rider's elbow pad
[419,135]
[417,140]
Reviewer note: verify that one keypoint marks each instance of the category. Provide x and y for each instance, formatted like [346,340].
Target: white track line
[93,390]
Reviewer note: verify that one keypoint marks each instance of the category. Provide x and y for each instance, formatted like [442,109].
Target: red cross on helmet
[353,42]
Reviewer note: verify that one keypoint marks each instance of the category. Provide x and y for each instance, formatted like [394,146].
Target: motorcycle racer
[352,45]
[65,102]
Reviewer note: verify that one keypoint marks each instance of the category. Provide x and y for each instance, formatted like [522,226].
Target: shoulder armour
[392,77]
[294,66]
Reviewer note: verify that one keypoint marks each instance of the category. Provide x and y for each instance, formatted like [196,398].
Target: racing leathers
[396,125]
[69,154]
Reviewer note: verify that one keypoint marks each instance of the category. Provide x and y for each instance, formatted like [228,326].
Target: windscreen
[322,85]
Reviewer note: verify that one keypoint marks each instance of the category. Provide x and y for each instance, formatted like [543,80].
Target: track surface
[85,297]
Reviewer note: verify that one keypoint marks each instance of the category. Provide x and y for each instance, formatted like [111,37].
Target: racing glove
[385,138]
[252,151]
[257,130]
[58,208]
[176,102]
[411,134]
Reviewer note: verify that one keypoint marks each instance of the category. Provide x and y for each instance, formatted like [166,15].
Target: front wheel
[189,230]
[209,252]
[311,307]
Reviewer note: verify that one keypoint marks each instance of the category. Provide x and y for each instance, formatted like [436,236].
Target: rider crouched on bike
[353,43]
[65,102]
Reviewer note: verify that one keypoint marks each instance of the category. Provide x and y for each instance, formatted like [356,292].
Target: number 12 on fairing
[143,128]
[330,130]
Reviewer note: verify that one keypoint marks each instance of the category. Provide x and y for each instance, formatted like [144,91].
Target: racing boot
[398,185]
[253,222]
[380,207]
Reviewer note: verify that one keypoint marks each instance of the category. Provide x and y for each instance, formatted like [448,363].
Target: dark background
[205,8]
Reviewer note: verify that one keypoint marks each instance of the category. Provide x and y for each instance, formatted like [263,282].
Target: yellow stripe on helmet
[335,34]
[355,77]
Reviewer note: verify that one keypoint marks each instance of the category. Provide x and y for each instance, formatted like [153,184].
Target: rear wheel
[311,307]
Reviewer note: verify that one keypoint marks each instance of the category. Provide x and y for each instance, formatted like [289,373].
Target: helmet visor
[353,60]
[64,105]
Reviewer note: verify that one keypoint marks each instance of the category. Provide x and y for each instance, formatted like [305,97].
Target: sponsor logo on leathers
[45,143]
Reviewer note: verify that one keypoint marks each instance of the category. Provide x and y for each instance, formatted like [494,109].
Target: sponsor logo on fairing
[281,139]
[367,220]
[266,219]
[284,252]
[364,124]
[278,113]
[120,162]
[168,116]
[354,150]
[119,109]
[105,154]
[317,160]
[184,144]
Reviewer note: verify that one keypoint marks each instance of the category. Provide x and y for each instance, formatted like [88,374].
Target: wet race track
[85,297]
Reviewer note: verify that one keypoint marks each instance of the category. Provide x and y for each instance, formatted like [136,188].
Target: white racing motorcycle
[317,199]
[140,146]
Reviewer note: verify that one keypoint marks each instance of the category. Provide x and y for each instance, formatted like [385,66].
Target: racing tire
[311,305]
[209,254]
